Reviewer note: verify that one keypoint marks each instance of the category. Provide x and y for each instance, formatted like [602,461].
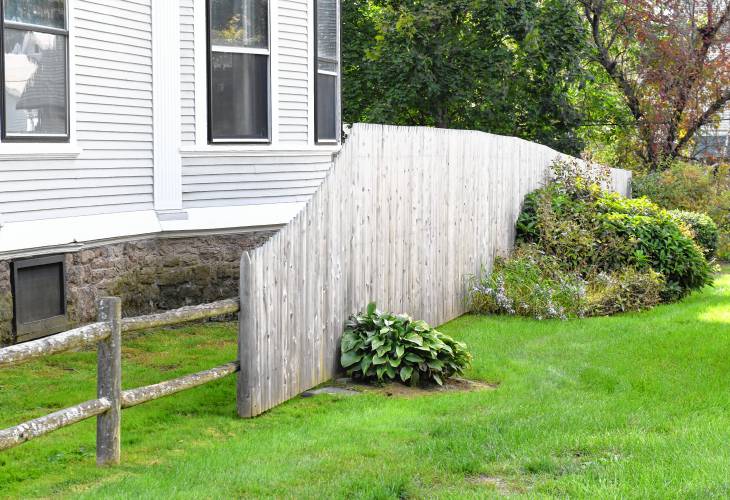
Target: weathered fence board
[66,341]
[182,315]
[109,384]
[19,434]
[405,215]
[135,397]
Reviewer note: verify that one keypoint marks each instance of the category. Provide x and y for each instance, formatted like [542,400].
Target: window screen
[35,70]
[327,97]
[40,299]
[239,70]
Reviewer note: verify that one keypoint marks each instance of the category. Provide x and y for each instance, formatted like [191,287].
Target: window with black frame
[35,70]
[239,69]
[327,83]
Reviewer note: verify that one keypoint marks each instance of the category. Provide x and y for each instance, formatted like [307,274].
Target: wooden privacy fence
[403,217]
[111,400]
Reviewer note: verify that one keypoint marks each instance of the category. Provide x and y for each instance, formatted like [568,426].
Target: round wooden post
[109,384]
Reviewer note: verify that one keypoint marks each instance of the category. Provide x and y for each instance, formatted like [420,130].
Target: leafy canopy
[501,66]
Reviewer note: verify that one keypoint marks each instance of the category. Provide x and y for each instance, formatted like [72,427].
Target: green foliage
[501,66]
[529,283]
[534,284]
[593,231]
[682,186]
[624,291]
[385,347]
[704,230]
[723,247]
[696,188]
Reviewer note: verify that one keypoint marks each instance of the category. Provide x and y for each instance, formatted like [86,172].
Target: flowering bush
[594,231]
[530,283]
[585,251]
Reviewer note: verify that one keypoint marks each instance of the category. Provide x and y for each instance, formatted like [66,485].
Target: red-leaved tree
[671,61]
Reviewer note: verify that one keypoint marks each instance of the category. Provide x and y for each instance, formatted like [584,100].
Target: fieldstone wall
[149,275]
[6,305]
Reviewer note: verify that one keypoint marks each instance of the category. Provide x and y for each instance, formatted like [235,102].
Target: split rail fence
[111,399]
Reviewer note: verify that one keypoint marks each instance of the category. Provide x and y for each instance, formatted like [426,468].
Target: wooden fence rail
[107,335]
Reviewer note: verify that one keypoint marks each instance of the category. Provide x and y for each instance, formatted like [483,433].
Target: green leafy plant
[664,245]
[703,228]
[380,346]
[594,231]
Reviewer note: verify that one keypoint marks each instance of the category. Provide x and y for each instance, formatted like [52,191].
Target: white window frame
[337,74]
[209,50]
[202,148]
[43,150]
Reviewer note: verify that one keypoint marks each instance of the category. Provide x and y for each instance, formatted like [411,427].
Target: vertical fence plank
[109,384]
[247,352]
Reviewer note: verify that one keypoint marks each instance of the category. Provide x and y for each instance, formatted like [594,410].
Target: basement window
[40,297]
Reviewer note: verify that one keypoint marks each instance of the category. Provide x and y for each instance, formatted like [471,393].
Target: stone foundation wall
[149,275]
[6,305]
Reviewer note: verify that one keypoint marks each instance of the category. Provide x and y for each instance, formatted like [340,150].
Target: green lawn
[631,406]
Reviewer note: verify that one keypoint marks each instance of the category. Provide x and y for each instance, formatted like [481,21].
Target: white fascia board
[248,217]
[70,234]
[268,150]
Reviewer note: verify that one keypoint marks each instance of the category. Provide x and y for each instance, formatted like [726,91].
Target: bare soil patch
[395,389]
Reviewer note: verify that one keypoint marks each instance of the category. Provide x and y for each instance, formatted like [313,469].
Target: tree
[501,66]
[670,59]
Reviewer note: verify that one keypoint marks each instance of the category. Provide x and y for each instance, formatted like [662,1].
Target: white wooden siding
[291,72]
[292,46]
[187,69]
[113,173]
[225,181]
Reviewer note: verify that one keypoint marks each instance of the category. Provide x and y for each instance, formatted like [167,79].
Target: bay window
[327,73]
[238,71]
[35,100]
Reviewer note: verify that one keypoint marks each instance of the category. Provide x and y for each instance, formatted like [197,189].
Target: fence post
[244,389]
[109,383]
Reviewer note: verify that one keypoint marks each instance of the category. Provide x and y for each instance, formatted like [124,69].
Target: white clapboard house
[713,141]
[130,120]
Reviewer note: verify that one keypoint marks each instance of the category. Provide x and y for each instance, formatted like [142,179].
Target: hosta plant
[384,347]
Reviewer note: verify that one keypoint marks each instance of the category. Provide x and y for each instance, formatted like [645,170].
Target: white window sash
[240,50]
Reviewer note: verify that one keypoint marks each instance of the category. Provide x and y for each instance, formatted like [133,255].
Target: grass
[631,406]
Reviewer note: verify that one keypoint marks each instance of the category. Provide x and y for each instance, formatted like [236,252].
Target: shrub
[530,283]
[385,347]
[683,186]
[628,290]
[595,231]
[704,230]
[692,187]
[661,244]
[723,248]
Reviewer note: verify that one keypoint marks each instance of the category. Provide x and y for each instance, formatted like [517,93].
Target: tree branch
[703,120]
